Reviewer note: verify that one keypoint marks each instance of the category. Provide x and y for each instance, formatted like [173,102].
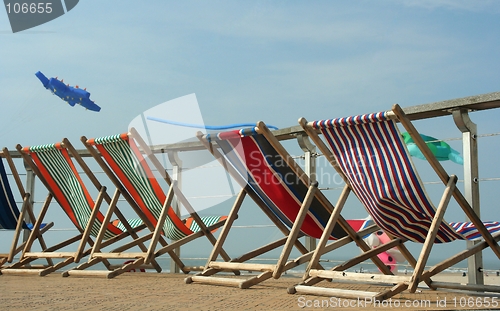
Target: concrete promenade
[151,291]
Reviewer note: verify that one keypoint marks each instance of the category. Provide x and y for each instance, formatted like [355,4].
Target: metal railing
[459,109]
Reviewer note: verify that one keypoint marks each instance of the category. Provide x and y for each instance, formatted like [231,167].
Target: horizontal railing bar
[419,112]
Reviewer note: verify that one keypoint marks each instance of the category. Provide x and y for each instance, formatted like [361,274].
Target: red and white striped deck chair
[369,152]
[277,184]
[122,159]
[53,165]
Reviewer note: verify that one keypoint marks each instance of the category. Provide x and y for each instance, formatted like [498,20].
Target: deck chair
[121,159]
[276,183]
[54,167]
[11,218]
[369,152]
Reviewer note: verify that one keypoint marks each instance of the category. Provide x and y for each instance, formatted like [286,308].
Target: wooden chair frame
[155,236]
[314,276]
[25,212]
[83,238]
[291,236]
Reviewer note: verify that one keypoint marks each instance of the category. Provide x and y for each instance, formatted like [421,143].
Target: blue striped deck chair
[277,184]
[126,166]
[11,218]
[55,168]
[369,152]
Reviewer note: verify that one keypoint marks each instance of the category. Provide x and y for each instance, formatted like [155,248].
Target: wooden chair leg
[208,234]
[227,227]
[328,229]
[90,225]
[431,236]
[19,225]
[107,219]
[294,232]
[159,226]
[40,238]
[36,229]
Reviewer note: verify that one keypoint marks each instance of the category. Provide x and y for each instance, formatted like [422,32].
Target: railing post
[30,188]
[176,205]
[471,185]
[310,169]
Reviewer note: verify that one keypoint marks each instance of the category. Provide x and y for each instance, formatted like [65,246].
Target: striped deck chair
[370,154]
[276,183]
[54,167]
[10,216]
[121,159]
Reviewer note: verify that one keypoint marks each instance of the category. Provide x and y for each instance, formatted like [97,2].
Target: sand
[152,291]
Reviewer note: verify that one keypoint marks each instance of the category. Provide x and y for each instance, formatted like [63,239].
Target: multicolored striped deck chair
[277,184]
[10,216]
[370,154]
[54,167]
[121,159]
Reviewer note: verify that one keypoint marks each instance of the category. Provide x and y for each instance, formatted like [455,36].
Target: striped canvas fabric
[134,222]
[371,153]
[207,220]
[58,170]
[128,164]
[279,188]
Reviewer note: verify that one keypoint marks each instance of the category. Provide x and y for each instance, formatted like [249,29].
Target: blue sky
[270,60]
[250,60]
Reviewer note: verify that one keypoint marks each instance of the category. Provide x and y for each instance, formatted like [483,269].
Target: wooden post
[176,205]
[471,185]
[310,170]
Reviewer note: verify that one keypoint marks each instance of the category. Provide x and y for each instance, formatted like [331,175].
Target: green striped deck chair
[53,165]
[11,218]
[123,161]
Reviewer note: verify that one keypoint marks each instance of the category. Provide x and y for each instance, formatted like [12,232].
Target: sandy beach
[164,291]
